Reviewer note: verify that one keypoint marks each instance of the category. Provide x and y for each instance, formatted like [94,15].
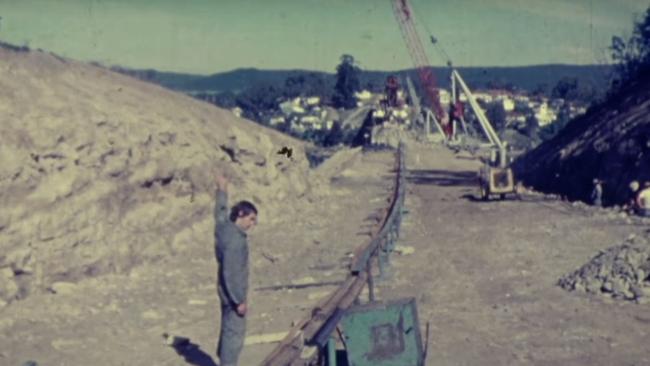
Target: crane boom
[496,177]
[404,14]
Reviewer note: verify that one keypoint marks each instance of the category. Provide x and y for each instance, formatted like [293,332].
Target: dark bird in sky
[286,151]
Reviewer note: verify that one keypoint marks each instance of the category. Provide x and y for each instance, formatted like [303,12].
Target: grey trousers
[231,338]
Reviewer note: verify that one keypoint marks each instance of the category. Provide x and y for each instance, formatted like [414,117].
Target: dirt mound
[622,272]
[388,134]
[337,163]
[100,172]
[610,142]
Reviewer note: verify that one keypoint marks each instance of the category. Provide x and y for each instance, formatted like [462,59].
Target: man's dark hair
[242,209]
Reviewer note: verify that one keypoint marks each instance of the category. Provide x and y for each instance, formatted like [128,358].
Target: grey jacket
[231,250]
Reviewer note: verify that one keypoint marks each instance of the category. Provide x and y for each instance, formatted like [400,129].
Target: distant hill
[240,79]
[234,81]
[524,77]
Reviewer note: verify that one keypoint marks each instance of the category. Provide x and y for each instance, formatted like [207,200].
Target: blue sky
[209,36]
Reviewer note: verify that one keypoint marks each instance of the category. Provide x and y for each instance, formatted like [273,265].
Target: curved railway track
[298,347]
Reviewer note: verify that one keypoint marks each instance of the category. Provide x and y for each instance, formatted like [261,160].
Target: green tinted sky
[207,36]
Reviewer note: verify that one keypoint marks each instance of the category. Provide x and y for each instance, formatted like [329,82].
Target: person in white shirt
[643,200]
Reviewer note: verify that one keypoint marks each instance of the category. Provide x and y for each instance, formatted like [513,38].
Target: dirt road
[485,274]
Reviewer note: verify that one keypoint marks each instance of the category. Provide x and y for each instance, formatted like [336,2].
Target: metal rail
[314,330]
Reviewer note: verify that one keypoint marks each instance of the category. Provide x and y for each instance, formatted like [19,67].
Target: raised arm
[221,206]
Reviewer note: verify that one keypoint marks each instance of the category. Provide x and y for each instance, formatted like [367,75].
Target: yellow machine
[495,177]
[495,180]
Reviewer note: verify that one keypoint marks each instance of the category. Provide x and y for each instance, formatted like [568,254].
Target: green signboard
[383,334]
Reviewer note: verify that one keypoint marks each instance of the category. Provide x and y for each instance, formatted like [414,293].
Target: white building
[297,126]
[485,97]
[379,113]
[508,104]
[236,111]
[363,95]
[294,105]
[400,113]
[312,101]
[544,114]
[309,119]
[276,121]
[444,96]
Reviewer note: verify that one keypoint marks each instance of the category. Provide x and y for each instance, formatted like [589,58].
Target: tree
[587,91]
[496,114]
[570,88]
[259,101]
[540,90]
[305,84]
[294,86]
[315,136]
[522,107]
[347,83]
[226,99]
[499,83]
[549,131]
[566,88]
[632,57]
[284,127]
[335,135]
[532,126]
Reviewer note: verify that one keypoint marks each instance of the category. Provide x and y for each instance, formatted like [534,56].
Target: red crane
[404,15]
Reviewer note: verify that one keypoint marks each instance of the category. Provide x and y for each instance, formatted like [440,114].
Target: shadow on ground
[472,198]
[193,354]
[442,178]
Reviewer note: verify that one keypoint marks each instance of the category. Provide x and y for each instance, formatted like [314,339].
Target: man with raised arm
[231,249]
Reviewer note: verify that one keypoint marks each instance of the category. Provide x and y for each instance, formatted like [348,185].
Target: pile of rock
[622,272]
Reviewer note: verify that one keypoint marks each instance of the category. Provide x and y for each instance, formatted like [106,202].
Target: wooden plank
[265,338]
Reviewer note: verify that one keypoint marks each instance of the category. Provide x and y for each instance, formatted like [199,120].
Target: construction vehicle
[495,177]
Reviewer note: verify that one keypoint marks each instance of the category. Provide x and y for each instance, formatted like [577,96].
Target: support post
[391,239]
[371,284]
[382,263]
[331,352]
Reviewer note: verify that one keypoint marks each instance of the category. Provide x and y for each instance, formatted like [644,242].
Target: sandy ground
[483,273]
